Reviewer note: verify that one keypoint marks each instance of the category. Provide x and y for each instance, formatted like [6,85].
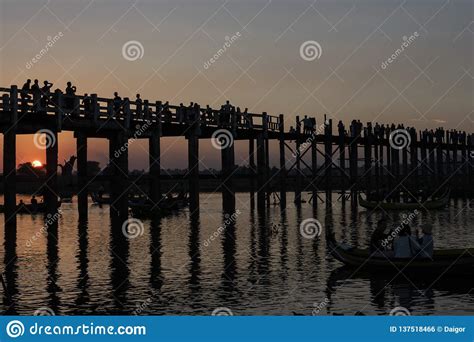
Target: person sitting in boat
[426,241]
[34,202]
[378,237]
[21,205]
[405,245]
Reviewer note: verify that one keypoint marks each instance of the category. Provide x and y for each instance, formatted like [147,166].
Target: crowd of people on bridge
[227,116]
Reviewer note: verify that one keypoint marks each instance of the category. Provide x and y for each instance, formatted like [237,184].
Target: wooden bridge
[424,160]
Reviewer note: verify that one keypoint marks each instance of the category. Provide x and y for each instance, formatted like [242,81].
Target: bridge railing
[97,108]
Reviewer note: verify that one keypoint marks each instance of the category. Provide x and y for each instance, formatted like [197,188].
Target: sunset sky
[428,85]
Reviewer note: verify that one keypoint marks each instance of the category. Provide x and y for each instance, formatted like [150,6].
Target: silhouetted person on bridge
[45,92]
[180,114]
[138,106]
[70,89]
[25,96]
[35,89]
[117,104]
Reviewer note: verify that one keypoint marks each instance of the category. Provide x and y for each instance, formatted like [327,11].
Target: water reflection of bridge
[383,165]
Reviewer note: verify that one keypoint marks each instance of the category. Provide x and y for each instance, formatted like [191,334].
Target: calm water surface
[181,266]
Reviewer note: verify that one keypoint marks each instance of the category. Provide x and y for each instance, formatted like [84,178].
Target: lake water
[186,266]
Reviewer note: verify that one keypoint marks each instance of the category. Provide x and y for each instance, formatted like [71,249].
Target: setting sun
[36,163]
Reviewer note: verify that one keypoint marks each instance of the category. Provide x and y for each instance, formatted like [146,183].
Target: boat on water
[29,208]
[444,261]
[432,204]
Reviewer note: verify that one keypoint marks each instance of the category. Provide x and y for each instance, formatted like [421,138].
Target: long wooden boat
[29,208]
[445,261]
[428,205]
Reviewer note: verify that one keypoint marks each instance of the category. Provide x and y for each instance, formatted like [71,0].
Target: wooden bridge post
[265,121]
[439,163]
[154,157]
[14,104]
[314,169]
[297,199]
[118,154]
[353,164]
[9,180]
[281,122]
[328,157]
[376,164]
[95,108]
[51,189]
[9,167]
[193,168]
[342,160]
[368,160]
[227,186]
[252,170]
[81,150]
[261,193]
[412,169]
[432,162]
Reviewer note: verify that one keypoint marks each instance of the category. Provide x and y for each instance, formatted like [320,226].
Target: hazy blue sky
[429,84]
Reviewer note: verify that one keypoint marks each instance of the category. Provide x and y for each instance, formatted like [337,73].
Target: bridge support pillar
[193,171]
[282,163]
[81,147]
[51,189]
[298,162]
[328,159]
[118,156]
[252,171]
[9,181]
[227,186]
[155,166]
[261,164]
